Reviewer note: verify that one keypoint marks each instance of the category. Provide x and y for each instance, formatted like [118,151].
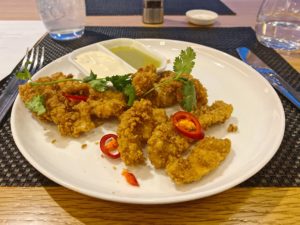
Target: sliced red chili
[75,97]
[108,144]
[130,178]
[187,124]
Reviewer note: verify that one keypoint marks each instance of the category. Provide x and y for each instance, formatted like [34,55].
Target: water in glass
[64,19]
[278,24]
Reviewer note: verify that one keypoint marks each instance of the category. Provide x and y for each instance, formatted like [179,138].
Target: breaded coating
[201,92]
[107,104]
[165,144]
[217,113]
[206,155]
[135,128]
[159,116]
[143,80]
[166,91]
[169,92]
[74,118]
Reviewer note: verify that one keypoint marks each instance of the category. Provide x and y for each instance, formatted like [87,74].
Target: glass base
[279,44]
[66,36]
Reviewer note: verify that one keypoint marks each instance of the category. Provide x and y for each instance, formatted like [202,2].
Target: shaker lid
[153,3]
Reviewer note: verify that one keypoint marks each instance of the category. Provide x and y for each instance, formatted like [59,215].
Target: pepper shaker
[153,11]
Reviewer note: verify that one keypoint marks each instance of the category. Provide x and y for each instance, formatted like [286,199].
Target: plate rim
[167,199]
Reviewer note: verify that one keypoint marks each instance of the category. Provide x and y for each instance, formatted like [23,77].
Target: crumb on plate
[232,128]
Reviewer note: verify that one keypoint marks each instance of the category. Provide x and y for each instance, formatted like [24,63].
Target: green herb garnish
[89,78]
[183,64]
[129,91]
[189,101]
[36,104]
[24,74]
[120,82]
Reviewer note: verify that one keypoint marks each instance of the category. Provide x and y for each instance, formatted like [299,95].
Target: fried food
[107,104]
[165,144]
[168,92]
[144,123]
[144,79]
[135,128]
[206,155]
[217,113]
[74,117]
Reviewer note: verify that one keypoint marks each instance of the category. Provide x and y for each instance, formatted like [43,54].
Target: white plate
[258,113]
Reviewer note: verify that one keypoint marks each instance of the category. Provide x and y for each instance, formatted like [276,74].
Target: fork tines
[35,58]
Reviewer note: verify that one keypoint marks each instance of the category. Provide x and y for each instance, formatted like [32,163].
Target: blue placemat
[135,7]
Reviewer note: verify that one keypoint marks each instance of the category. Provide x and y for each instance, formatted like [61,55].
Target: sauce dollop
[101,63]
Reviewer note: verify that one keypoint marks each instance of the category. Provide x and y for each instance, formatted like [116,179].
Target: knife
[274,79]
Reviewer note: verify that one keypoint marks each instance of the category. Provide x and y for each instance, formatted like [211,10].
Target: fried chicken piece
[217,113]
[165,144]
[135,128]
[143,80]
[206,155]
[169,92]
[76,122]
[165,94]
[27,92]
[107,104]
[74,117]
[201,92]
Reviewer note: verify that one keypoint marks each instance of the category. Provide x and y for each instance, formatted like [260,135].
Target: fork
[36,57]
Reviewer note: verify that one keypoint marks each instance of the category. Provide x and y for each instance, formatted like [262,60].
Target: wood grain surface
[58,205]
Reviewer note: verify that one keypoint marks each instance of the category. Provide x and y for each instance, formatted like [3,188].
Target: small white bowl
[201,16]
[112,64]
[132,43]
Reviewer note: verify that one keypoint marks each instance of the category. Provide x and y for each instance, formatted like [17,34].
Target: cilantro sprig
[119,82]
[24,74]
[36,104]
[183,64]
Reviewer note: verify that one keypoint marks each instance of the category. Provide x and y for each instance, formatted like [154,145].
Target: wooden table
[58,205]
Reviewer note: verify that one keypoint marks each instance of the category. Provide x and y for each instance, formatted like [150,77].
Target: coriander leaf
[184,62]
[89,78]
[24,74]
[36,104]
[99,84]
[189,101]
[129,91]
[120,81]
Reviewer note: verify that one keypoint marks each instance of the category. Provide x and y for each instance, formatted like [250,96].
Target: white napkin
[15,38]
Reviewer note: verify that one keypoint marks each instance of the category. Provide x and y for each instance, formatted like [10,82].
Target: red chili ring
[104,149]
[194,134]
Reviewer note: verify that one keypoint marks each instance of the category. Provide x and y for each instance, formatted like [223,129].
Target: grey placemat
[282,170]
[135,7]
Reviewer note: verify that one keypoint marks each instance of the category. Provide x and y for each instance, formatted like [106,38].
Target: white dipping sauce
[101,63]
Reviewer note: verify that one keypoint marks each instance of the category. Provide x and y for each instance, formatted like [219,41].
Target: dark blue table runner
[135,7]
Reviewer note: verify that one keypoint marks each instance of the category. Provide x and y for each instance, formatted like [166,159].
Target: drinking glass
[64,19]
[278,24]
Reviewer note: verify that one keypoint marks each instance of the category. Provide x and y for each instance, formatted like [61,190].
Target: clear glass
[278,24]
[64,19]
